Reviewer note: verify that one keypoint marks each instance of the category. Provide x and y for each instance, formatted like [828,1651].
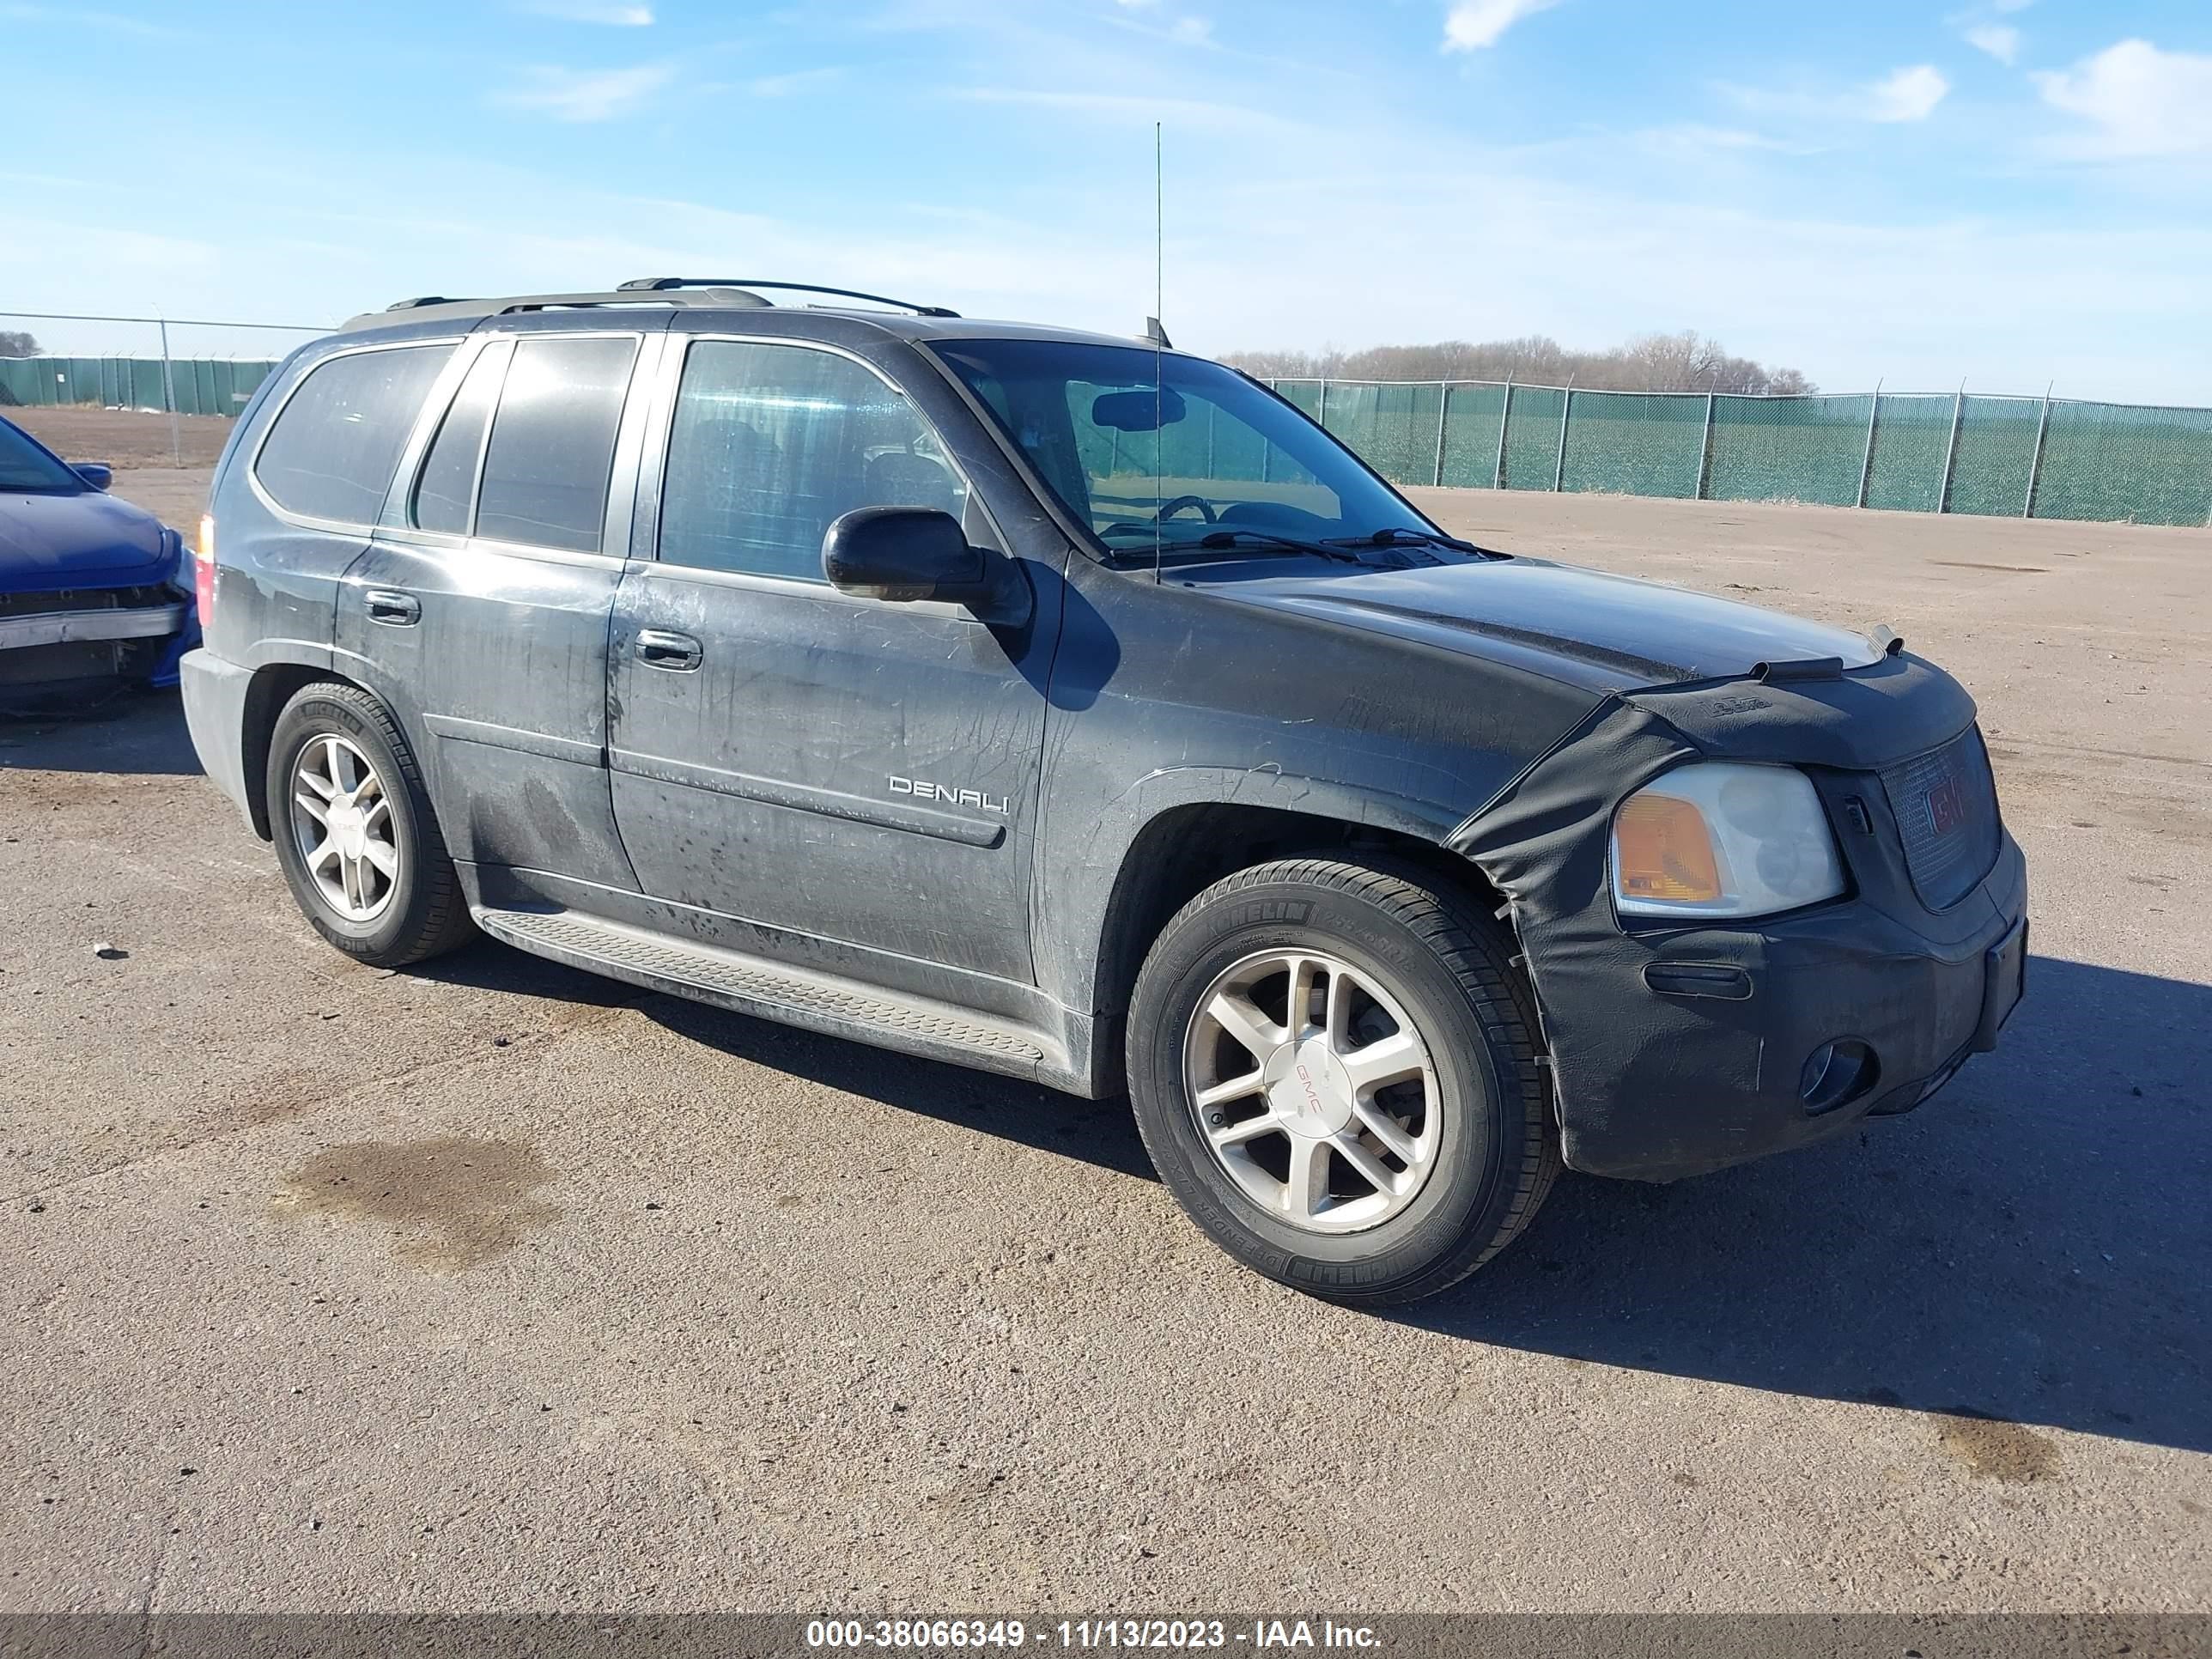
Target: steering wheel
[1168,509]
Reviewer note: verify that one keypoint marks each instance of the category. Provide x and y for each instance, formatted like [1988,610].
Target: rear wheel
[1333,1066]
[355,832]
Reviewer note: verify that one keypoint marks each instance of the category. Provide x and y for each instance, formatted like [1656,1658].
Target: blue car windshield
[25,466]
[1137,445]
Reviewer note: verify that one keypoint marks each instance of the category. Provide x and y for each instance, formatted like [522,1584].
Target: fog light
[1836,1073]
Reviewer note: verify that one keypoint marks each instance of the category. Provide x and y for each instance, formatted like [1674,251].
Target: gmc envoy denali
[1077,709]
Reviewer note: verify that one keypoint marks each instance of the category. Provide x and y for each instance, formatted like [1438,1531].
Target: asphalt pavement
[490,1284]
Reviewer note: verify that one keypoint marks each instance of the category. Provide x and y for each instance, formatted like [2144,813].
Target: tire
[410,911]
[1475,1148]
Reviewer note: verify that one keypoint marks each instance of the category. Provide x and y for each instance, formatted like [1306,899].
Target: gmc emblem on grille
[1946,806]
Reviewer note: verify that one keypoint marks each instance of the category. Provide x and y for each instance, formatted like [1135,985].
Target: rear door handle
[393,609]
[659,647]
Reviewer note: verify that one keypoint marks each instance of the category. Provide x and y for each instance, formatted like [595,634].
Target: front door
[845,782]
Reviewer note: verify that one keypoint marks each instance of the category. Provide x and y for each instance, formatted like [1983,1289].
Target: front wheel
[1334,1067]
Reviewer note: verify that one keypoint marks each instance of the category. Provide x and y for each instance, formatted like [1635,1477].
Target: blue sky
[2003,191]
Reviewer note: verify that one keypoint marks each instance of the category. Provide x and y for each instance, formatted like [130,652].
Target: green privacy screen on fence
[1634,443]
[1799,449]
[1939,452]
[202,385]
[2002,457]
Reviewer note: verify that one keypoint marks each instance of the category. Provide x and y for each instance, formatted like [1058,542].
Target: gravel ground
[494,1284]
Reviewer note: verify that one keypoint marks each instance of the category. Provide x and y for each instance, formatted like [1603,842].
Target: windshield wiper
[1247,540]
[1398,535]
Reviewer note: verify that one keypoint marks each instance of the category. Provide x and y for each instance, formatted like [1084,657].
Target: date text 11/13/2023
[936,1634]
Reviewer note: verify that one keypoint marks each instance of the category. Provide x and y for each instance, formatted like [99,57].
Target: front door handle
[659,647]
[393,609]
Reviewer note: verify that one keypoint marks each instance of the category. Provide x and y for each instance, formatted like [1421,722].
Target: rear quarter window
[333,448]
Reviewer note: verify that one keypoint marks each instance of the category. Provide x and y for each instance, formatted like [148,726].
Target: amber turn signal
[1663,851]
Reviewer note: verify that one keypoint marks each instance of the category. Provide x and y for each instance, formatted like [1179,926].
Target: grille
[1946,805]
[85,599]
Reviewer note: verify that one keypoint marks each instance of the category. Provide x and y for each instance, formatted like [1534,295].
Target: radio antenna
[1159,338]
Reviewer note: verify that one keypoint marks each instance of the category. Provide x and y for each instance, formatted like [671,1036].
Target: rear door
[482,602]
[810,772]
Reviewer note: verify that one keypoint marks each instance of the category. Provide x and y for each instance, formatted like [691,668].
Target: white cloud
[1473,24]
[589,11]
[1905,95]
[1193,31]
[1909,95]
[568,95]
[2139,100]
[2000,40]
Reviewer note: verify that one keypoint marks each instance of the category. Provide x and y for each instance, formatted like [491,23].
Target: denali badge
[922,791]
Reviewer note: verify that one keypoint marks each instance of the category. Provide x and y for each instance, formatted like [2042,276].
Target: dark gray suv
[1073,708]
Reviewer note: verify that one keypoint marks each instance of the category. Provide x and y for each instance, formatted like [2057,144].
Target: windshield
[1196,450]
[25,466]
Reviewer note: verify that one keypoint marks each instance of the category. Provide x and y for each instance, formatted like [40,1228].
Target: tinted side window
[449,478]
[769,443]
[331,452]
[553,442]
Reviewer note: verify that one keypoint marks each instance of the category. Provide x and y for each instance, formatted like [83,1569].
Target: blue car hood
[91,540]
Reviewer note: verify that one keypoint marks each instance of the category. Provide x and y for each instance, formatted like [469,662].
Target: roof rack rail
[662,284]
[690,293]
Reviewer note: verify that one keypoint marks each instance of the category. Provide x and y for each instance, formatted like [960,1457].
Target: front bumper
[1676,1050]
[154,622]
[1704,1065]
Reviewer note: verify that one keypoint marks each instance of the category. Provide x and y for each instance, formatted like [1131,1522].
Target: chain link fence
[193,385]
[2040,457]
[172,366]
[2043,457]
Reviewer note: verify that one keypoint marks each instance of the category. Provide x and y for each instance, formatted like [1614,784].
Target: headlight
[1719,839]
[180,580]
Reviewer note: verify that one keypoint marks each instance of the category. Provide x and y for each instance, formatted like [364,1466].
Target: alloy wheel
[342,824]
[1313,1088]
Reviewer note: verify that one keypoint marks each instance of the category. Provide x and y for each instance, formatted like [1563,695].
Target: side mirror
[98,474]
[908,553]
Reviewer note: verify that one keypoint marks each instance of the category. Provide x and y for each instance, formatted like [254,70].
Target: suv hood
[1601,632]
[91,540]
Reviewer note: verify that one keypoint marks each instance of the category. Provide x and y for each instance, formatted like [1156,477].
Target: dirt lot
[125,438]
[494,1285]
[137,444]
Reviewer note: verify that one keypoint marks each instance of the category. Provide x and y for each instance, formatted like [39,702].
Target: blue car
[93,591]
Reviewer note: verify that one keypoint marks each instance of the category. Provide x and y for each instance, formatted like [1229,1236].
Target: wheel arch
[273,685]
[1184,848]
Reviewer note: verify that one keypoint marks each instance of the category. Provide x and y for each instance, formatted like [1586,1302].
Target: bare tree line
[15,343]
[1687,361]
